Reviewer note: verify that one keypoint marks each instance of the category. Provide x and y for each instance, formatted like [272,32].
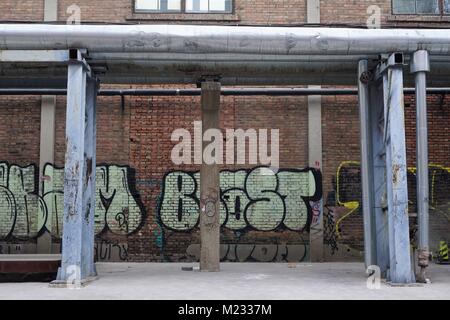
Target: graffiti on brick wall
[22,210]
[249,199]
[343,212]
[256,252]
[105,250]
[110,251]
[24,213]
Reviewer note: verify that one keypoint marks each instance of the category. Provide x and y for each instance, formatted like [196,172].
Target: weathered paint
[400,270]
[78,235]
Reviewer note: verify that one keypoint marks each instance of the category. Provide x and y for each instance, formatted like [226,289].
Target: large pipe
[193,39]
[224,92]
[420,66]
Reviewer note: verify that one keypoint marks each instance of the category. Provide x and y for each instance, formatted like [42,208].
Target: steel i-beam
[77,264]
[400,270]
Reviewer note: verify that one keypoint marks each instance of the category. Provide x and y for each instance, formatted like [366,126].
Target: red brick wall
[19,129]
[26,10]
[138,137]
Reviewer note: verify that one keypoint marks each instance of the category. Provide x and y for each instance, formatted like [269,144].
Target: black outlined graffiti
[256,252]
[249,199]
[22,211]
[112,251]
[25,214]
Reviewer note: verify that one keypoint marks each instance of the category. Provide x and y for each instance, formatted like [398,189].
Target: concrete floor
[255,281]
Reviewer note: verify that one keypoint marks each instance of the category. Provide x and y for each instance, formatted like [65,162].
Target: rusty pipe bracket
[423,257]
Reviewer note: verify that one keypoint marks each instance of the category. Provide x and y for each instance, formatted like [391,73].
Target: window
[208,6]
[158,5]
[447,7]
[430,7]
[184,6]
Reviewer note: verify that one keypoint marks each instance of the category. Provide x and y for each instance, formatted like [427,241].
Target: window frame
[441,13]
[182,10]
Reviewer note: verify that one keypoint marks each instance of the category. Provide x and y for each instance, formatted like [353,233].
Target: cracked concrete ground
[255,281]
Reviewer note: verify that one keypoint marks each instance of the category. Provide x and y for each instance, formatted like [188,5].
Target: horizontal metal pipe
[224,92]
[193,39]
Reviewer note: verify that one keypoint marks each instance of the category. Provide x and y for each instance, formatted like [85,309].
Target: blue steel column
[90,169]
[79,177]
[379,175]
[400,270]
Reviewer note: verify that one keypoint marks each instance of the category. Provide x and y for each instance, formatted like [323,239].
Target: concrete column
[51,10]
[400,270]
[79,177]
[315,144]
[47,142]
[210,184]
[420,66]
[46,155]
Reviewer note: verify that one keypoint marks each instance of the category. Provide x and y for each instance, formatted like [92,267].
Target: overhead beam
[33,56]
[224,92]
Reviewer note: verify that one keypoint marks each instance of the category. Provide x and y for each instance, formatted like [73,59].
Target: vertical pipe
[420,66]
[210,184]
[366,165]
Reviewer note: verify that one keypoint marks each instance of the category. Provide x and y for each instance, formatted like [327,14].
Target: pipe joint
[420,61]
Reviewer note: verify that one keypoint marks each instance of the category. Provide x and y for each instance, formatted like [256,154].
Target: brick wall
[138,197]
[26,10]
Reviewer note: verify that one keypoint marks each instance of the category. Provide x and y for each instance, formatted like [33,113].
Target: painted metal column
[210,184]
[420,65]
[378,174]
[90,144]
[366,164]
[79,176]
[400,270]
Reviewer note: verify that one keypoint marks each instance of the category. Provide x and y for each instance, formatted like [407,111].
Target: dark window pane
[447,6]
[404,6]
[427,6]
